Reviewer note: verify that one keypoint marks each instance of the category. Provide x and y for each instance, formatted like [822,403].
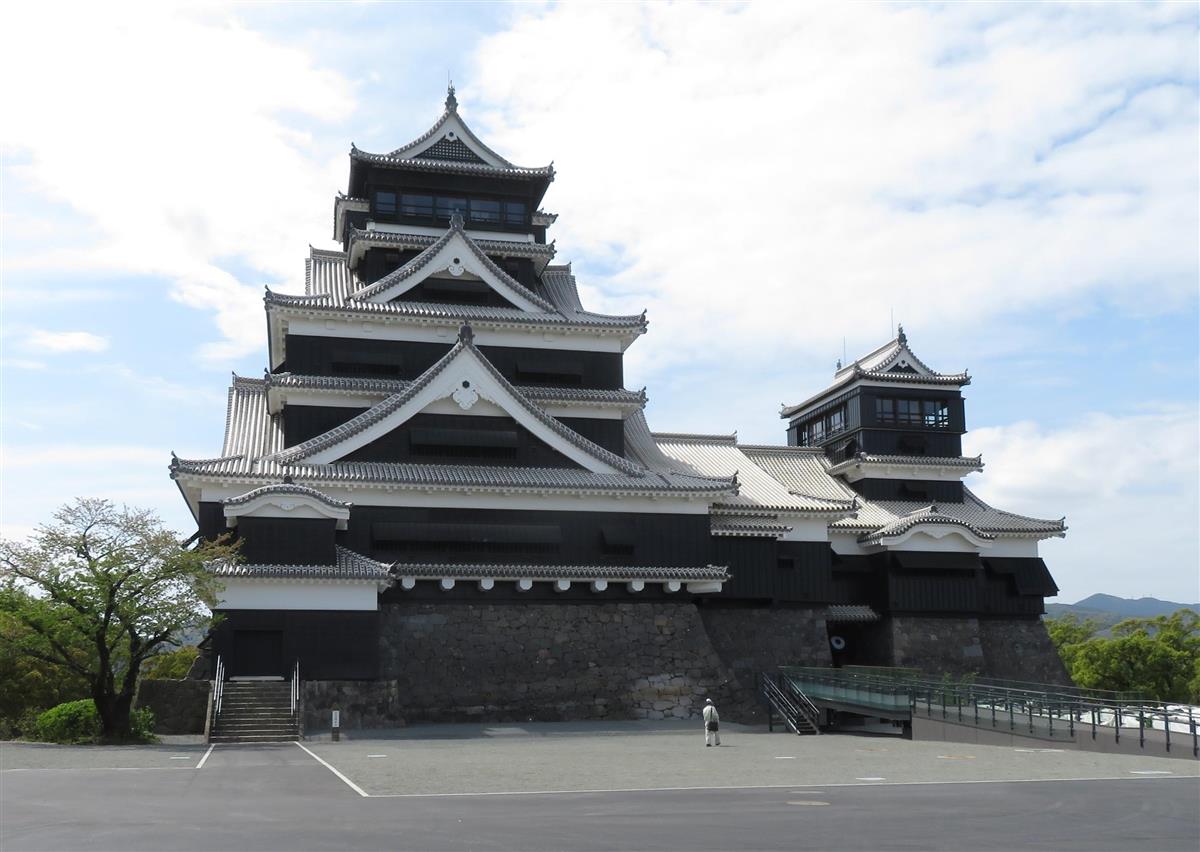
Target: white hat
[708,701]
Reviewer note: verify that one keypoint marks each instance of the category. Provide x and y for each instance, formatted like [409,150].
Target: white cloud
[775,176]
[1131,483]
[64,341]
[36,479]
[172,132]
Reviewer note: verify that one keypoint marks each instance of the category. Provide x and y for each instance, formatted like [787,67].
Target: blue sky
[1016,183]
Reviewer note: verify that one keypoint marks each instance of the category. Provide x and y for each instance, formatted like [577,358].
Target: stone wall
[546,661]
[937,645]
[452,662]
[1019,649]
[753,640]
[178,705]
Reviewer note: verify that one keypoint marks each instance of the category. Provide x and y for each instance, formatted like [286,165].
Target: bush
[170,665]
[78,722]
[73,722]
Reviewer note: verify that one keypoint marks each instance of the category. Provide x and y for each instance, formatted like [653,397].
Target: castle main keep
[451,507]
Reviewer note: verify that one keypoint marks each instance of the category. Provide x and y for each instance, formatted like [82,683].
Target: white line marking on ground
[1150,772]
[871,778]
[204,759]
[785,758]
[376,755]
[181,757]
[1143,780]
[331,768]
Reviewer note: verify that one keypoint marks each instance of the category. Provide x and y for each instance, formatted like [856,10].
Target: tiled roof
[850,613]
[875,515]
[326,274]
[541,217]
[751,527]
[253,437]
[450,166]
[286,488]
[350,566]
[456,313]
[251,431]
[968,464]
[422,260]
[386,387]
[715,455]
[616,573]
[330,286]
[400,239]
[396,401]
[803,470]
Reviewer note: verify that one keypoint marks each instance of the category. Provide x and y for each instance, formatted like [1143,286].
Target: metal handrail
[780,701]
[807,708]
[1051,704]
[295,687]
[218,687]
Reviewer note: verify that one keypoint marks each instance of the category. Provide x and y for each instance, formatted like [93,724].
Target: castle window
[445,206]
[934,413]
[485,211]
[416,205]
[385,203]
[816,430]
[514,213]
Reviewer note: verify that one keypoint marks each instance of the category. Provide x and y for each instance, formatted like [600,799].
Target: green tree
[170,665]
[99,590]
[1157,657]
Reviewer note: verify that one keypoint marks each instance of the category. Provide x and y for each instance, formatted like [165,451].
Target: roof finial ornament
[466,334]
[451,101]
[456,218]
[839,364]
[901,337]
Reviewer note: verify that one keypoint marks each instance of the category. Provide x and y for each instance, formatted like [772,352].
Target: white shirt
[710,713]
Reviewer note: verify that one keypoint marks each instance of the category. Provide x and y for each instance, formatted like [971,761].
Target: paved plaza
[592,786]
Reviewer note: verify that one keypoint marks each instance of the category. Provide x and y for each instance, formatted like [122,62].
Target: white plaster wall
[805,529]
[951,542]
[287,594]
[1013,547]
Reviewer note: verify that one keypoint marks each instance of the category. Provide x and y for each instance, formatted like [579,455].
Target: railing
[218,687]
[1040,710]
[295,687]
[800,714]
[807,708]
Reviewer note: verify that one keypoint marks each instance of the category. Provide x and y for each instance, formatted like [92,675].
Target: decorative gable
[454,256]
[461,381]
[451,140]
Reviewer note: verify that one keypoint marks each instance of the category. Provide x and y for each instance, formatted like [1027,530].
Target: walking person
[712,724]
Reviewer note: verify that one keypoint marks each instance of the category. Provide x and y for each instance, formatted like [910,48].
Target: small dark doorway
[257,653]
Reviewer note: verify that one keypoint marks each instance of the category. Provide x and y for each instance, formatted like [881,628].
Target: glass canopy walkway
[1034,710]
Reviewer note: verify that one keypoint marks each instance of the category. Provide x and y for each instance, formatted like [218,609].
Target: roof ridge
[969,494]
[696,437]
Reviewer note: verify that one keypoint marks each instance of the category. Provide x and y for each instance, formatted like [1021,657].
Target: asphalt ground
[521,788]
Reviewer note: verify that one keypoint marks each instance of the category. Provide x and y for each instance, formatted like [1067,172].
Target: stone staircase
[255,712]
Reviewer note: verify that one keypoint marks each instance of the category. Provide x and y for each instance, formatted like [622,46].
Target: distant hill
[1109,609]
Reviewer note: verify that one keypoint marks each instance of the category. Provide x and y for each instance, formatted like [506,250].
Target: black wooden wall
[302,422]
[415,534]
[339,356]
[330,644]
